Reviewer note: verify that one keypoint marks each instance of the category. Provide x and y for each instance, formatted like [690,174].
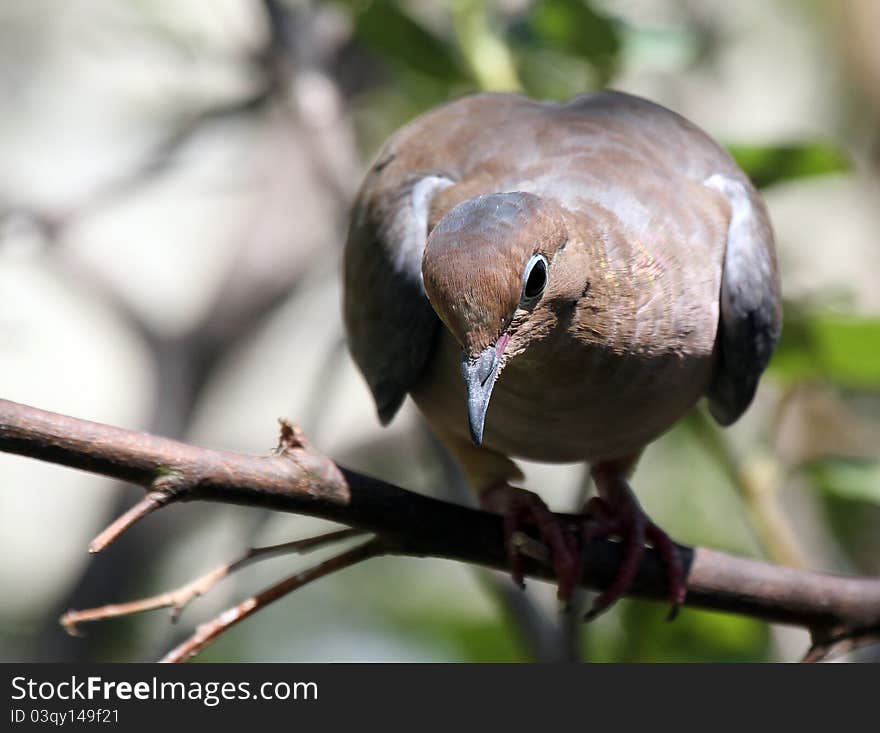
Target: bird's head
[488,270]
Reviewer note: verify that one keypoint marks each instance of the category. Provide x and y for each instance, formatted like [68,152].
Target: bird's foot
[618,514]
[518,506]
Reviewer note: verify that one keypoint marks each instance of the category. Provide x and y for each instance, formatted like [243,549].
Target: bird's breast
[569,403]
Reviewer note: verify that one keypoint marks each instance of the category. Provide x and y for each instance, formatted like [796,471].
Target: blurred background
[174,186]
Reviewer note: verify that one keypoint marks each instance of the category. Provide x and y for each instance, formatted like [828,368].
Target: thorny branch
[840,612]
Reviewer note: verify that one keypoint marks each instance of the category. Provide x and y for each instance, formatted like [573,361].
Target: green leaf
[854,526]
[576,28]
[636,631]
[475,639]
[842,349]
[383,27]
[487,53]
[664,49]
[847,479]
[549,74]
[770,164]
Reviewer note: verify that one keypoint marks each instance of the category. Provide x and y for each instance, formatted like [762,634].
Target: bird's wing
[751,312]
[391,325]
[423,171]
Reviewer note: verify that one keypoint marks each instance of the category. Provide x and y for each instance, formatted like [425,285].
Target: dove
[560,282]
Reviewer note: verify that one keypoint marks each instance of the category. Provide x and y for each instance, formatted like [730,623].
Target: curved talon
[632,531]
[671,560]
[518,506]
[514,558]
[617,513]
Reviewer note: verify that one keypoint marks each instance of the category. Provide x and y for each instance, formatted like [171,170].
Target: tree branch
[837,610]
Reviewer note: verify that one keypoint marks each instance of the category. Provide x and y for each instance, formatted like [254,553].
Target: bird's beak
[480,374]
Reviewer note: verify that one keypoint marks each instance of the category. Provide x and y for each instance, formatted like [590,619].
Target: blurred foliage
[474,639]
[406,45]
[847,479]
[575,28]
[488,55]
[767,165]
[854,525]
[840,349]
[636,631]
[819,345]
[640,633]
[549,50]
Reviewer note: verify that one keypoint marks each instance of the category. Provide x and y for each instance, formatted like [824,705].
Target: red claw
[518,507]
[616,512]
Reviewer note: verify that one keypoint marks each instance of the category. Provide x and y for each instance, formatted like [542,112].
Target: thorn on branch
[290,437]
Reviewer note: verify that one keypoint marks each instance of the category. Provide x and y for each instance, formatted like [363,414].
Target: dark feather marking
[391,326]
[750,317]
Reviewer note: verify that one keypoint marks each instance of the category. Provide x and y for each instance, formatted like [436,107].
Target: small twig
[179,598]
[825,645]
[819,652]
[150,503]
[208,632]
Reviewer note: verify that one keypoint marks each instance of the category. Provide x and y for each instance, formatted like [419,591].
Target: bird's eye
[534,278]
